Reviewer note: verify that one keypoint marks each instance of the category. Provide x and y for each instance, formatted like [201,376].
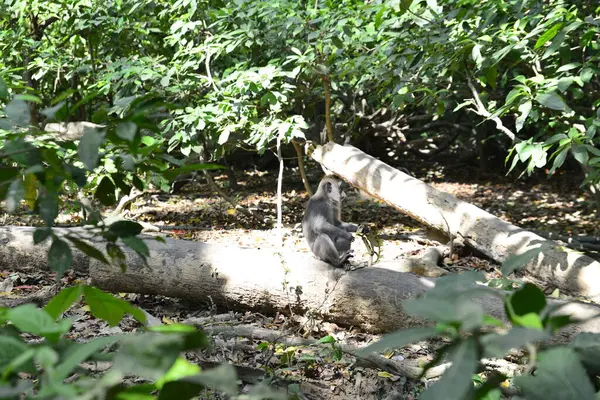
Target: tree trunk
[563,268]
[261,280]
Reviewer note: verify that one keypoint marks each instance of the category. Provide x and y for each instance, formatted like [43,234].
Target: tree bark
[566,269]
[262,280]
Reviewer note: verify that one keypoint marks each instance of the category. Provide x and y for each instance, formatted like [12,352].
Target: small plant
[531,320]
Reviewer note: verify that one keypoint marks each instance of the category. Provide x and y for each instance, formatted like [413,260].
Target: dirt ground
[195,213]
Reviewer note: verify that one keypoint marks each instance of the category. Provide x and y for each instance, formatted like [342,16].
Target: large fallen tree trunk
[564,268]
[262,280]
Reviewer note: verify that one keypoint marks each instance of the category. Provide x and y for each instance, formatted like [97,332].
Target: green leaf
[586,74]
[7,174]
[496,345]
[518,261]
[63,300]
[476,55]
[559,375]
[10,348]
[17,111]
[30,319]
[548,35]
[138,184]
[77,174]
[28,97]
[500,54]
[524,307]
[59,256]
[181,369]
[437,309]
[22,152]
[48,206]
[327,339]
[137,244]
[105,192]
[110,308]
[125,228]
[556,322]
[3,89]
[524,110]
[488,320]
[80,352]
[565,83]
[587,346]
[149,355]
[50,112]
[568,67]
[559,160]
[180,389]
[528,299]
[456,381]
[127,130]
[457,283]
[222,378]
[116,255]
[337,42]
[89,148]
[551,100]
[268,98]
[400,339]
[41,234]
[88,249]
[556,43]
[555,138]
[580,154]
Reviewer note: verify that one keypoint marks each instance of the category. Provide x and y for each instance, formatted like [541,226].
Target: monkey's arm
[348,227]
[332,230]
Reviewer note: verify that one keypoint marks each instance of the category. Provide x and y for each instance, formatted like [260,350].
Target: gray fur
[328,237]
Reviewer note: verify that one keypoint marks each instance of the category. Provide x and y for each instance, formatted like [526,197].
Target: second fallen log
[566,269]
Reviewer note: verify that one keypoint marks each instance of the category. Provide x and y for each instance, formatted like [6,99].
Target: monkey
[328,237]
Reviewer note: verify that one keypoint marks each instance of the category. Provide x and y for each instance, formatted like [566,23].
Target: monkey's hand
[363,229]
[372,242]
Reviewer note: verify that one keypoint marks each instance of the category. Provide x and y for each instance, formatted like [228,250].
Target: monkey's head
[332,189]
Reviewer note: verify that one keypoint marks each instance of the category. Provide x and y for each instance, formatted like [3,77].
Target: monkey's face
[332,188]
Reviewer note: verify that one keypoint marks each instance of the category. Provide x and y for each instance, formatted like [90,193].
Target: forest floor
[555,205]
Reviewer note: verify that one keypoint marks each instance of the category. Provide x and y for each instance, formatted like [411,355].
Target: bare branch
[481,110]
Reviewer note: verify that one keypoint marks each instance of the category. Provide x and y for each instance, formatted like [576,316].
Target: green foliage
[155,355]
[561,371]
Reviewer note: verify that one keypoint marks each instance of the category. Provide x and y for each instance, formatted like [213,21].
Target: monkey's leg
[343,247]
[325,249]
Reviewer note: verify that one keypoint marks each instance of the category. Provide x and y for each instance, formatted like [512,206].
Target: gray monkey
[328,237]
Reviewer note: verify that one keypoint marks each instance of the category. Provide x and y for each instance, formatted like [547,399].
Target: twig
[126,200]
[301,167]
[39,298]
[208,74]
[328,124]
[409,369]
[279,189]
[481,110]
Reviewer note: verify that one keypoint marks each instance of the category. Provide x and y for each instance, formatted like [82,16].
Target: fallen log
[231,277]
[566,269]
